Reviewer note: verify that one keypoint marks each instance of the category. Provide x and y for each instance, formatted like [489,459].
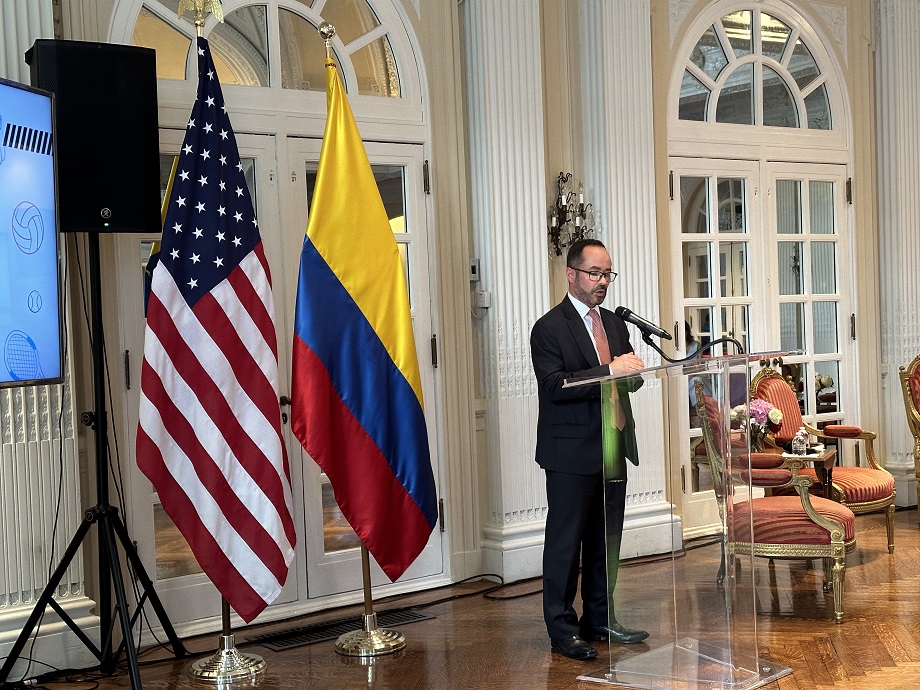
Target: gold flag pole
[227,665]
[370,641]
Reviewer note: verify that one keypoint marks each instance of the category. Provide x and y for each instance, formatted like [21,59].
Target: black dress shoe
[615,633]
[574,648]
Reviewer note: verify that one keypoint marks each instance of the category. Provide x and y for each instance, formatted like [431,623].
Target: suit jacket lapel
[579,332]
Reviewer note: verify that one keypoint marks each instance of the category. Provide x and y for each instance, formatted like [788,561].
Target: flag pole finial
[327,32]
[199,7]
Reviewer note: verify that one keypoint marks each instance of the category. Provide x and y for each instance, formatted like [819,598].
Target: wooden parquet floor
[481,643]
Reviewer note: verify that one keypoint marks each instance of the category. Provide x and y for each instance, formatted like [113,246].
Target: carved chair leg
[889,521]
[838,577]
[828,565]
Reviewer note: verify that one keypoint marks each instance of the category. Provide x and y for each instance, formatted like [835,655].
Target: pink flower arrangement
[760,416]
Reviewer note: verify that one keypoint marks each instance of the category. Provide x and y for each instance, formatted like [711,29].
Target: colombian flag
[356,392]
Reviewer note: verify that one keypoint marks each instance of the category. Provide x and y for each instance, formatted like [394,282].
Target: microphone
[645,326]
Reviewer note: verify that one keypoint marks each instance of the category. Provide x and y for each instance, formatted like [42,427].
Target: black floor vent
[331,630]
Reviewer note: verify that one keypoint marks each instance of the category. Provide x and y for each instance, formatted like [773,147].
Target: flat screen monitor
[30,294]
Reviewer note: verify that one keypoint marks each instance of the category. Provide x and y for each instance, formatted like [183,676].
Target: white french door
[716,220]
[187,594]
[761,248]
[280,172]
[333,549]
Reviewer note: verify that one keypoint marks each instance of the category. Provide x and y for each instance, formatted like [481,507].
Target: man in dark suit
[577,339]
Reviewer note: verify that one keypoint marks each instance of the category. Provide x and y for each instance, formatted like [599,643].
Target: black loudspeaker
[106,131]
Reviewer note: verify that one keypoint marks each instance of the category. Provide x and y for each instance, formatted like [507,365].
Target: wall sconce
[570,218]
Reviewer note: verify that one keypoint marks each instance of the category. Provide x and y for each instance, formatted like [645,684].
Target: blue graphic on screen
[29,309]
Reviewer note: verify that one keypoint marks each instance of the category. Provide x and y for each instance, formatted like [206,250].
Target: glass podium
[697,605]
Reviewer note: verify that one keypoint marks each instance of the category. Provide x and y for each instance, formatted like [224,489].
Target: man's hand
[625,364]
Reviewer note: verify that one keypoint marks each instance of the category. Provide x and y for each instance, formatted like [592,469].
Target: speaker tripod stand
[112,532]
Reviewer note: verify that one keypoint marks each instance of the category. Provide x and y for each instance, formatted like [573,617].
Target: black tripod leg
[147,585]
[46,596]
[108,664]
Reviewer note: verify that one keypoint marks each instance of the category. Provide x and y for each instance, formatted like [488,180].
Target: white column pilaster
[507,184]
[897,63]
[616,64]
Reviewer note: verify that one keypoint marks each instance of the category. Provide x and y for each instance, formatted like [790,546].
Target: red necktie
[603,353]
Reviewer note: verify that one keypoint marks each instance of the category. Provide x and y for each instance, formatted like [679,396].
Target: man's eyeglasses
[595,276]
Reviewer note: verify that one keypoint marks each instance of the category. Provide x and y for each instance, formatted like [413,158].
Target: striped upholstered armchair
[910,387]
[862,489]
[797,526]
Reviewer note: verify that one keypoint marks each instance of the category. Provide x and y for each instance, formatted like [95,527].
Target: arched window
[751,68]
[255,36]
[760,228]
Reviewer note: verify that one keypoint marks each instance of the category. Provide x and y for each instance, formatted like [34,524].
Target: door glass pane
[240,47]
[778,105]
[788,207]
[736,100]
[170,43]
[773,36]
[792,326]
[818,109]
[696,269]
[789,266]
[735,325]
[337,533]
[821,200]
[733,269]
[697,329]
[694,204]
[375,68]
[826,376]
[738,29]
[173,556]
[694,99]
[708,54]
[825,316]
[732,215]
[795,375]
[823,268]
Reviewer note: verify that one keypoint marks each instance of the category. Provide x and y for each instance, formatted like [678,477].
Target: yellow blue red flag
[356,391]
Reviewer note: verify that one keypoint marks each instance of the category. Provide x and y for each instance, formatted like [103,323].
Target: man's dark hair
[577,248]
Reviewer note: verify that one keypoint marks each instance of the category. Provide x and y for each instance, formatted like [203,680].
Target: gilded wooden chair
[862,489]
[798,526]
[910,387]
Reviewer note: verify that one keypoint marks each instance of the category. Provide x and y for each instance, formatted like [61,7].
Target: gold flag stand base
[370,641]
[227,665]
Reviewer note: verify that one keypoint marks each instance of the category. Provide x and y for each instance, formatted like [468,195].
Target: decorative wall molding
[677,12]
[835,18]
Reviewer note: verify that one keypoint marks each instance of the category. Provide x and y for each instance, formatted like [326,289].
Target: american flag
[209,436]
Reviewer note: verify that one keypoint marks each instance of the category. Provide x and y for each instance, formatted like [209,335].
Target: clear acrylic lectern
[700,616]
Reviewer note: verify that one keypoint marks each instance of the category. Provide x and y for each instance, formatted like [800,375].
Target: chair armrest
[851,432]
